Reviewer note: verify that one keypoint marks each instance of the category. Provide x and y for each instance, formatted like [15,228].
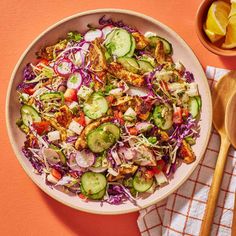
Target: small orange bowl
[200,20]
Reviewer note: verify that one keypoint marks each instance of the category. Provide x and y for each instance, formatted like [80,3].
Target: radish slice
[63,67]
[51,155]
[126,153]
[143,126]
[85,158]
[75,81]
[72,162]
[106,30]
[93,34]
[97,169]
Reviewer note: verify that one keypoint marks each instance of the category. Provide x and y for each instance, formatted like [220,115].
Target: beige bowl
[79,22]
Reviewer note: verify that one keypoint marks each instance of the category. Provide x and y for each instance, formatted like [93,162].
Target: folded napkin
[182,212]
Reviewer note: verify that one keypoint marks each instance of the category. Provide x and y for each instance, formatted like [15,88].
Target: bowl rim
[19,156]
[201,12]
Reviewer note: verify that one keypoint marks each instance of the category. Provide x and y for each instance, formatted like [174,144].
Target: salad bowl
[181,52]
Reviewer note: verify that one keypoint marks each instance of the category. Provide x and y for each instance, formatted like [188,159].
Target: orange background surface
[24,208]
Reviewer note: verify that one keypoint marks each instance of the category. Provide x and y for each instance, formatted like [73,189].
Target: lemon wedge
[212,36]
[233,9]
[230,38]
[217,17]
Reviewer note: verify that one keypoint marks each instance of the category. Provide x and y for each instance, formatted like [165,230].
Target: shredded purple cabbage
[35,162]
[28,73]
[120,24]
[189,77]
[71,139]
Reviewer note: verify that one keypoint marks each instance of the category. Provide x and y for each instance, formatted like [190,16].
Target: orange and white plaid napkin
[182,212]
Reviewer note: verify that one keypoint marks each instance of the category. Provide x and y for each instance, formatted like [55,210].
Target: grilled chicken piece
[81,142]
[118,71]
[57,126]
[186,153]
[122,170]
[141,41]
[160,53]
[64,116]
[96,56]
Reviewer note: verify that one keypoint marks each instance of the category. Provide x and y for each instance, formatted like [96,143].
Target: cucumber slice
[29,115]
[167,45]
[96,106]
[149,59]
[96,196]
[98,140]
[199,101]
[164,122]
[145,66]
[110,128]
[133,46]
[93,183]
[142,184]
[51,96]
[193,107]
[129,64]
[60,153]
[118,42]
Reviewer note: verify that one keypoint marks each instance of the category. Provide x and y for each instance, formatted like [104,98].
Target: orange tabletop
[24,208]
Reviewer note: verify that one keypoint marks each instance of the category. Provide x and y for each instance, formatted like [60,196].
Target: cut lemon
[233,9]
[230,39]
[217,17]
[212,36]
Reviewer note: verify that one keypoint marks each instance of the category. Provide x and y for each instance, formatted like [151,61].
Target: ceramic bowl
[79,22]
[200,20]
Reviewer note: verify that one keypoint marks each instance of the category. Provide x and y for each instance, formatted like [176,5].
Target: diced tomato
[177,116]
[185,112]
[119,116]
[81,119]
[133,131]
[56,174]
[149,174]
[70,95]
[83,197]
[42,61]
[29,91]
[110,98]
[159,167]
[41,127]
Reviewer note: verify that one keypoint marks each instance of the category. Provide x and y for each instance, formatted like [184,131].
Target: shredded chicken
[64,116]
[118,71]
[186,153]
[122,170]
[141,41]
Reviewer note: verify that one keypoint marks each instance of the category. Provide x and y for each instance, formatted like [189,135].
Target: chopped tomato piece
[177,116]
[159,167]
[149,174]
[119,116]
[110,98]
[185,112]
[70,95]
[41,127]
[133,131]
[144,116]
[81,119]
[29,91]
[56,174]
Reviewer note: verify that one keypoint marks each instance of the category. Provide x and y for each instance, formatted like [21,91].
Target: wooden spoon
[231,132]
[220,96]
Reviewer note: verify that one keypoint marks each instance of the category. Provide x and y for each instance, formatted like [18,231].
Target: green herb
[109,87]
[91,85]
[152,140]
[74,35]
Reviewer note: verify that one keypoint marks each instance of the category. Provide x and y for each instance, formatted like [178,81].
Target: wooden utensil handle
[215,188]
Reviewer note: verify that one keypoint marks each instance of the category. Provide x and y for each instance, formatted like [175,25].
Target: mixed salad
[108,115]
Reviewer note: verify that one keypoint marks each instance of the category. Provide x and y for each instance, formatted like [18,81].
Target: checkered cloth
[182,212]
